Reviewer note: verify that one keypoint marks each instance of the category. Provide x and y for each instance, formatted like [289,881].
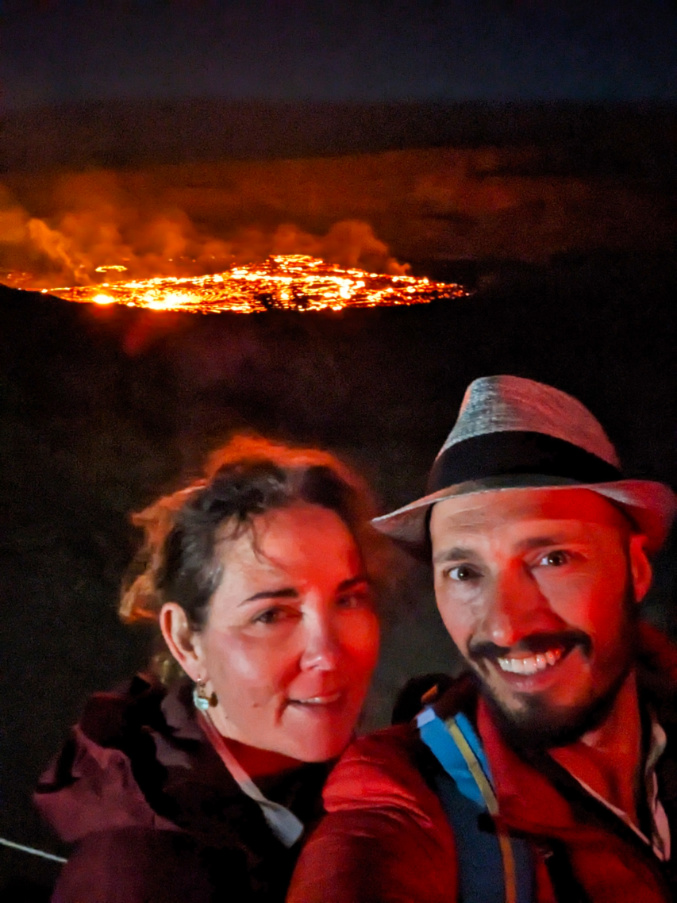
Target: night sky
[53,51]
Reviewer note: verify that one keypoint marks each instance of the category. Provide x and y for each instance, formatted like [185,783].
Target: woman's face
[291,636]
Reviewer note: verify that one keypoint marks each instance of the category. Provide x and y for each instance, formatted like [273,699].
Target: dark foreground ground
[103,408]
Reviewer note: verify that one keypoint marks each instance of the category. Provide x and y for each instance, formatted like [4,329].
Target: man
[550,772]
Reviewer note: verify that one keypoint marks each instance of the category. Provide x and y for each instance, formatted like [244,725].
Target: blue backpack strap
[493,868]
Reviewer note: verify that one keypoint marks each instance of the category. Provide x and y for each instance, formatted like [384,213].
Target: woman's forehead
[284,534]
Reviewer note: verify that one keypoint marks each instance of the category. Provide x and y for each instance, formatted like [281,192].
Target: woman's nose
[517,608]
[322,647]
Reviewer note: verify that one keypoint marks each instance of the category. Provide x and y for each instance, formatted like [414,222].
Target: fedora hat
[514,433]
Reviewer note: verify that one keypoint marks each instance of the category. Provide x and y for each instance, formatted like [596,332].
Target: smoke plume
[96,225]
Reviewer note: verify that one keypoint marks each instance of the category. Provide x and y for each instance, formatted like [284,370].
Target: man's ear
[182,640]
[640,566]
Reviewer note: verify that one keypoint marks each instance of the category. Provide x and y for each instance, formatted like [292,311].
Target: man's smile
[533,655]
[530,664]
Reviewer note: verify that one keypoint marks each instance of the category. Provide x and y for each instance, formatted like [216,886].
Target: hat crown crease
[494,404]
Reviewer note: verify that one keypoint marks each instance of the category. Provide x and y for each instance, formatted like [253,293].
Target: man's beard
[538,724]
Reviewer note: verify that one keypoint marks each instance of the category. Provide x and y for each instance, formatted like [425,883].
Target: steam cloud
[99,224]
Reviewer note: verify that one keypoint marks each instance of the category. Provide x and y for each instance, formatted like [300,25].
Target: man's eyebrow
[455,553]
[538,542]
[459,553]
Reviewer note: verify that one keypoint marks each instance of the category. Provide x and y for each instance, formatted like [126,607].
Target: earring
[201,699]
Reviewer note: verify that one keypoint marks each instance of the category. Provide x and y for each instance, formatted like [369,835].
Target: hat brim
[651,505]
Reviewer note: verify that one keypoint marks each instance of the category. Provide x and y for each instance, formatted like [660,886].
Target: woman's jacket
[153,813]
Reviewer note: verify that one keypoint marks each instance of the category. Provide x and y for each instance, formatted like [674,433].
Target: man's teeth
[531,665]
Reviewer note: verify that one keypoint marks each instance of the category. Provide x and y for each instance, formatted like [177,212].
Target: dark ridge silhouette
[612,138]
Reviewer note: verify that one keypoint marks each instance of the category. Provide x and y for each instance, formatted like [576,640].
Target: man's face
[537,589]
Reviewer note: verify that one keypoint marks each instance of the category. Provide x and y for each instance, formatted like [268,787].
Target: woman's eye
[462,573]
[555,559]
[357,599]
[271,616]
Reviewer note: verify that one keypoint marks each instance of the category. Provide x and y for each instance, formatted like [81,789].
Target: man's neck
[608,759]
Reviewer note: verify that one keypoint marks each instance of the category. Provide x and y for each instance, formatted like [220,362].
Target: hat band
[508,453]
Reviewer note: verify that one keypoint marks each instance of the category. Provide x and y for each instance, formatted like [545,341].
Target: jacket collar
[553,798]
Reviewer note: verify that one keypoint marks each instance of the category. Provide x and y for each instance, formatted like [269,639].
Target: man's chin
[537,725]
[532,722]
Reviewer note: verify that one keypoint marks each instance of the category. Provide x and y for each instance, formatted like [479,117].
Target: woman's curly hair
[246,478]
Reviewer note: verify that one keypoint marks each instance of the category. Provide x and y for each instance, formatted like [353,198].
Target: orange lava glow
[292,282]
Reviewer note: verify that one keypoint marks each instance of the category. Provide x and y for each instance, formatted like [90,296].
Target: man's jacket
[386,838]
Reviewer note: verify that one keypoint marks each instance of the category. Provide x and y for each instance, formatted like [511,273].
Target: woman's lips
[319,700]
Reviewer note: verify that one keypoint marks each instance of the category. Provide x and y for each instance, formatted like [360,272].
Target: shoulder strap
[493,867]
[282,821]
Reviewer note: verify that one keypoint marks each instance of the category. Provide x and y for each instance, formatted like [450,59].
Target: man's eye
[555,559]
[462,573]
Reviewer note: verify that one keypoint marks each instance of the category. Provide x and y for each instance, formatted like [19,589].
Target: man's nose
[322,647]
[516,608]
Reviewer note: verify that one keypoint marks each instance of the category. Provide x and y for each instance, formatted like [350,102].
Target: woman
[259,581]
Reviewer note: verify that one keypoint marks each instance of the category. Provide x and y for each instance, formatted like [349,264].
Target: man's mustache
[533,645]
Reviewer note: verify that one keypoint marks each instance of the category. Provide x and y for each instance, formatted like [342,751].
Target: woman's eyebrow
[284,593]
[291,593]
[352,581]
